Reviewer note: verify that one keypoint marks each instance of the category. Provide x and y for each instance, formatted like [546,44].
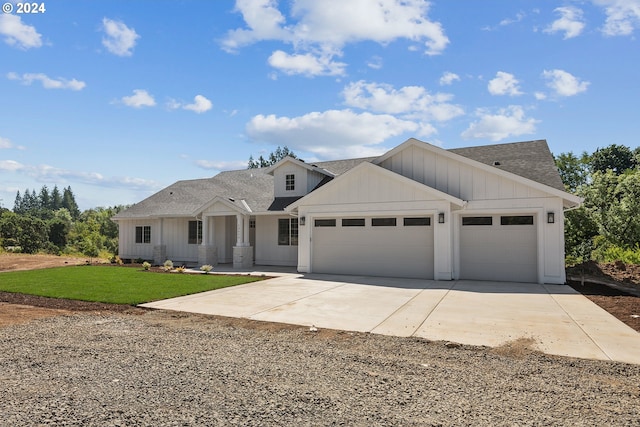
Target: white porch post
[159,248]
[246,231]
[207,250]
[205,230]
[239,229]
[242,252]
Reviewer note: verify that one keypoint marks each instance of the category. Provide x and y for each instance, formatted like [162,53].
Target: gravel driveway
[162,368]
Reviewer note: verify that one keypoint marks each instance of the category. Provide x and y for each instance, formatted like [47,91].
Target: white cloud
[375,62]
[508,21]
[5,143]
[140,98]
[47,173]
[448,78]
[324,28]
[504,84]
[200,105]
[410,101]
[120,39]
[18,34]
[48,82]
[563,83]
[307,64]
[507,122]
[570,22]
[505,22]
[221,165]
[10,165]
[330,134]
[623,16]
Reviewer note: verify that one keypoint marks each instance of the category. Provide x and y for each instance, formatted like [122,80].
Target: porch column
[159,248]
[207,250]
[242,252]
[246,231]
[205,230]
[239,230]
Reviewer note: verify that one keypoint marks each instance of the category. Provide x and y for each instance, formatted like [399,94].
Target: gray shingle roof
[531,159]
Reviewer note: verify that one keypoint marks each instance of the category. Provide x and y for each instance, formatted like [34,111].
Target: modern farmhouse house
[492,212]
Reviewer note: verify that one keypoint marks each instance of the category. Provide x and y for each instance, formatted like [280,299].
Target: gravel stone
[175,369]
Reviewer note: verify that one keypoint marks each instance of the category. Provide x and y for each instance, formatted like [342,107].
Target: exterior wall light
[303,220]
[441,218]
[551,217]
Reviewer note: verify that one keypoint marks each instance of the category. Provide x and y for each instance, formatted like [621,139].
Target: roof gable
[310,167]
[454,173]
[371,183]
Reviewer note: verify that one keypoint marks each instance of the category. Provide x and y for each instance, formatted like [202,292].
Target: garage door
[499,247]
[374,246]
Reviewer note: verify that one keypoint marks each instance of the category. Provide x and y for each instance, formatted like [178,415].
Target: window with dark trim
[289,182]
[288,231]
[477,220]
[353,222]
[516,220]
[325,222]
[383,222]
[425,220]
[195,232]
[143,234]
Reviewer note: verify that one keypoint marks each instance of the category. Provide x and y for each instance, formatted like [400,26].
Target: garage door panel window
[477,220]
[419,221]
[516,220]
[325,223]
[383,222]
[353,222]
[288,232]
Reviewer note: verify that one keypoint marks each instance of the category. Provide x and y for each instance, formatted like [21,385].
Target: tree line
[50,221]
[607,226]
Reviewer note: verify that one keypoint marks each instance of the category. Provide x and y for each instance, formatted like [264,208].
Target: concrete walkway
[559,320]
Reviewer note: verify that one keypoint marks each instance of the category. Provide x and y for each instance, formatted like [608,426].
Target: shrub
[206,268]
[608,252]
[146,266]
[168,265]
[181,269]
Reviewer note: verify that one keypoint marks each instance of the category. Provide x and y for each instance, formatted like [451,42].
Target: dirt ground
[614,287]
[14,262]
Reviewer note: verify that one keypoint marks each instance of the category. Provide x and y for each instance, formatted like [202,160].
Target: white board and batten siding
[305,180]
[455,177]
[267,249]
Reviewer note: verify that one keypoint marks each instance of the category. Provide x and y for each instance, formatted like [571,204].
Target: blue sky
[119,99]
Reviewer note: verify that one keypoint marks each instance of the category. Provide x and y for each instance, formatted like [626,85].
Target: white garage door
[499,247]
[374,246]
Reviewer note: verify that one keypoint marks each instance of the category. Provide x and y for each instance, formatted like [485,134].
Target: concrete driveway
[559,320]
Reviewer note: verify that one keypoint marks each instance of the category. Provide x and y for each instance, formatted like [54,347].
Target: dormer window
[290,182]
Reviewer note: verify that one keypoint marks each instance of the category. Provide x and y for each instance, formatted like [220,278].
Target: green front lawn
[118,285]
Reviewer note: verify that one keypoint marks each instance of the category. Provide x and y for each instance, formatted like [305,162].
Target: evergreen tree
[17,205]
[56,198]
[44,198]
[69,203]
[274,157]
